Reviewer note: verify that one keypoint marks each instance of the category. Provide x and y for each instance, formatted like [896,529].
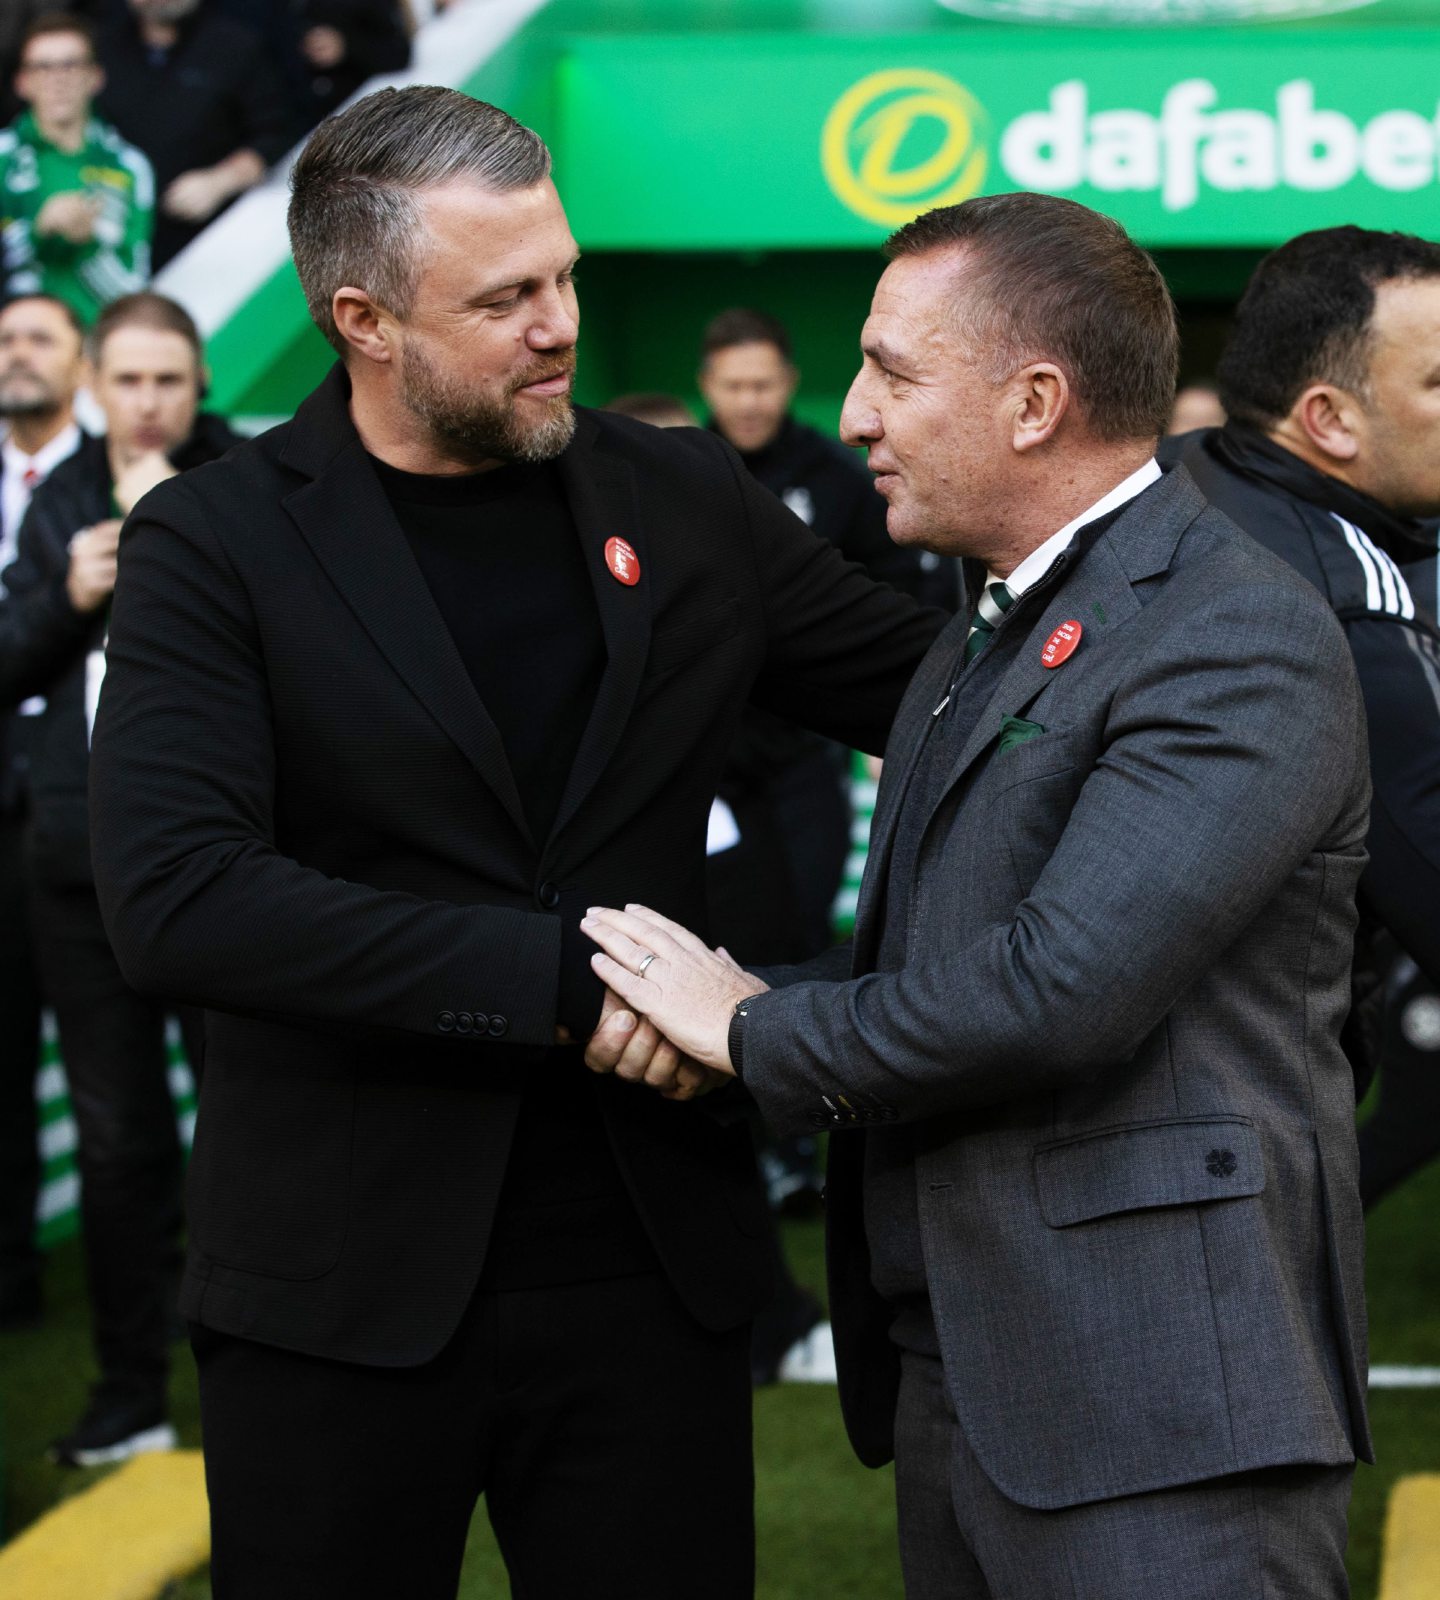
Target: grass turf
[824,1522]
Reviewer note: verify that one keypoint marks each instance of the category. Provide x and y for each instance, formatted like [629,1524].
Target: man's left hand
[689,992]
[633,1048]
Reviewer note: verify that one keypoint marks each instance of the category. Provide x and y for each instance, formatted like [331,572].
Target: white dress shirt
[15,492]
[1042,558]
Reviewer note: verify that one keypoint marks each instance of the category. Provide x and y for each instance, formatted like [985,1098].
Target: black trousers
[19,1051]
[609,1434]
[113,1044]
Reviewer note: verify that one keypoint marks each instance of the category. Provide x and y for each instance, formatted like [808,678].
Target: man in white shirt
[41,362]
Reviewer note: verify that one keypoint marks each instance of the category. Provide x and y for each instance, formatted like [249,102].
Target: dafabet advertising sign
[1189,138]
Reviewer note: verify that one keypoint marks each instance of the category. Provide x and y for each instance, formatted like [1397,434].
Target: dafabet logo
[902,141]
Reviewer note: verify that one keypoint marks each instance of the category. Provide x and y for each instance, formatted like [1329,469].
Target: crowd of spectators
[145,119]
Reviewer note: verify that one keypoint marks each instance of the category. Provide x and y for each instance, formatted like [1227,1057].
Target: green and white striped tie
[995,600]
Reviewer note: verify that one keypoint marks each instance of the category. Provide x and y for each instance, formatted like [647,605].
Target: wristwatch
[734,1039]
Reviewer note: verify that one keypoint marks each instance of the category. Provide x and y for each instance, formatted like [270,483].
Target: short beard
[38,402]
[471,430]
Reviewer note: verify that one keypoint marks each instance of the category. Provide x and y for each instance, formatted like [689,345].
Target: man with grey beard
[41,360]
[394,694]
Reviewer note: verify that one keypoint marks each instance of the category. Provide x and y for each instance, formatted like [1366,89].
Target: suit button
[481,1022]
[463,1022]
[446,1022]
[499,1027]
[548,896]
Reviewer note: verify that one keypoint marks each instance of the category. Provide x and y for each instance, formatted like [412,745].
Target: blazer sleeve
[840,648]
[41,632]
[1213,785]
[200,905]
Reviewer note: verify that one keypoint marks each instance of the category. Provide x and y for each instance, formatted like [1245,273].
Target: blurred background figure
[199,95]
[148,381]
[748,378]
[325,49]
[1197,405]
[15,17]
[76,201]
[658,409]
[345,42]
[41,362]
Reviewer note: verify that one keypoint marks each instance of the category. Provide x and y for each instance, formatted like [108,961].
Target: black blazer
[44,643]
[304,823]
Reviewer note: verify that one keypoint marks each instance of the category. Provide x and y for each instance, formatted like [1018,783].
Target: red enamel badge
[1060,646]
[624,563]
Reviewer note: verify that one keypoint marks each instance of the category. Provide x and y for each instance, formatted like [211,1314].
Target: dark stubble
[475,429]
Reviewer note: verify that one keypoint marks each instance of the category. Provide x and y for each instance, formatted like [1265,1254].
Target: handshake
[669,999]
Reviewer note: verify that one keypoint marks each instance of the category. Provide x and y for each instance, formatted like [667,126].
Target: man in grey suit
[1095,1243]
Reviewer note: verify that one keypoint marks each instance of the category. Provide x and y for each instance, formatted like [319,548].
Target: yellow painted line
[1410,1563]
[137,1530]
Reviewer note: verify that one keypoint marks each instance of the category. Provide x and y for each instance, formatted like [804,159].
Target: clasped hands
[669,999]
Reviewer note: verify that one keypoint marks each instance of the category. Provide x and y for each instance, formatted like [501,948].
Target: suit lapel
[1099,594]
[1097,587]
[604,502]
[913,722]
[347,522]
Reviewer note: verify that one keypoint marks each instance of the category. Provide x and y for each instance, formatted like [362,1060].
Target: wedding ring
[644,962]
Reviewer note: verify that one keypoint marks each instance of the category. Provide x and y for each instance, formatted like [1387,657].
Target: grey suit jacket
[1117,1029]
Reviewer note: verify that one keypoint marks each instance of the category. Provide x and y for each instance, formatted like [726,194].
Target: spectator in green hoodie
[77,203]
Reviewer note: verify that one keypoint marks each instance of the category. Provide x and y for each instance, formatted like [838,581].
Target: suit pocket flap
[1172,1163]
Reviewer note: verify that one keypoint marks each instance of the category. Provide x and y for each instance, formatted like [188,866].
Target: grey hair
[354,214]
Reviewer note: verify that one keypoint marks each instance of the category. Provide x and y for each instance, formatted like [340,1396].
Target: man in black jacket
[197,93]
[1331,380]
[148,373]
[394,694]
[748,378]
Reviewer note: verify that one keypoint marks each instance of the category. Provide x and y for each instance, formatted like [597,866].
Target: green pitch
[825,1524]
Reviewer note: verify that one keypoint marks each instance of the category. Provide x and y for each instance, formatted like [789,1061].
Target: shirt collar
[1039,561]
[46,458]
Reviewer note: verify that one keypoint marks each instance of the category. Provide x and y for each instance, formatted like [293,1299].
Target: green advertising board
[1227,138]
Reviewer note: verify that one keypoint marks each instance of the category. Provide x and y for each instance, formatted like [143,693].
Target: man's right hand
[91,577]
[138,476]
[71,215]
[632,1047]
